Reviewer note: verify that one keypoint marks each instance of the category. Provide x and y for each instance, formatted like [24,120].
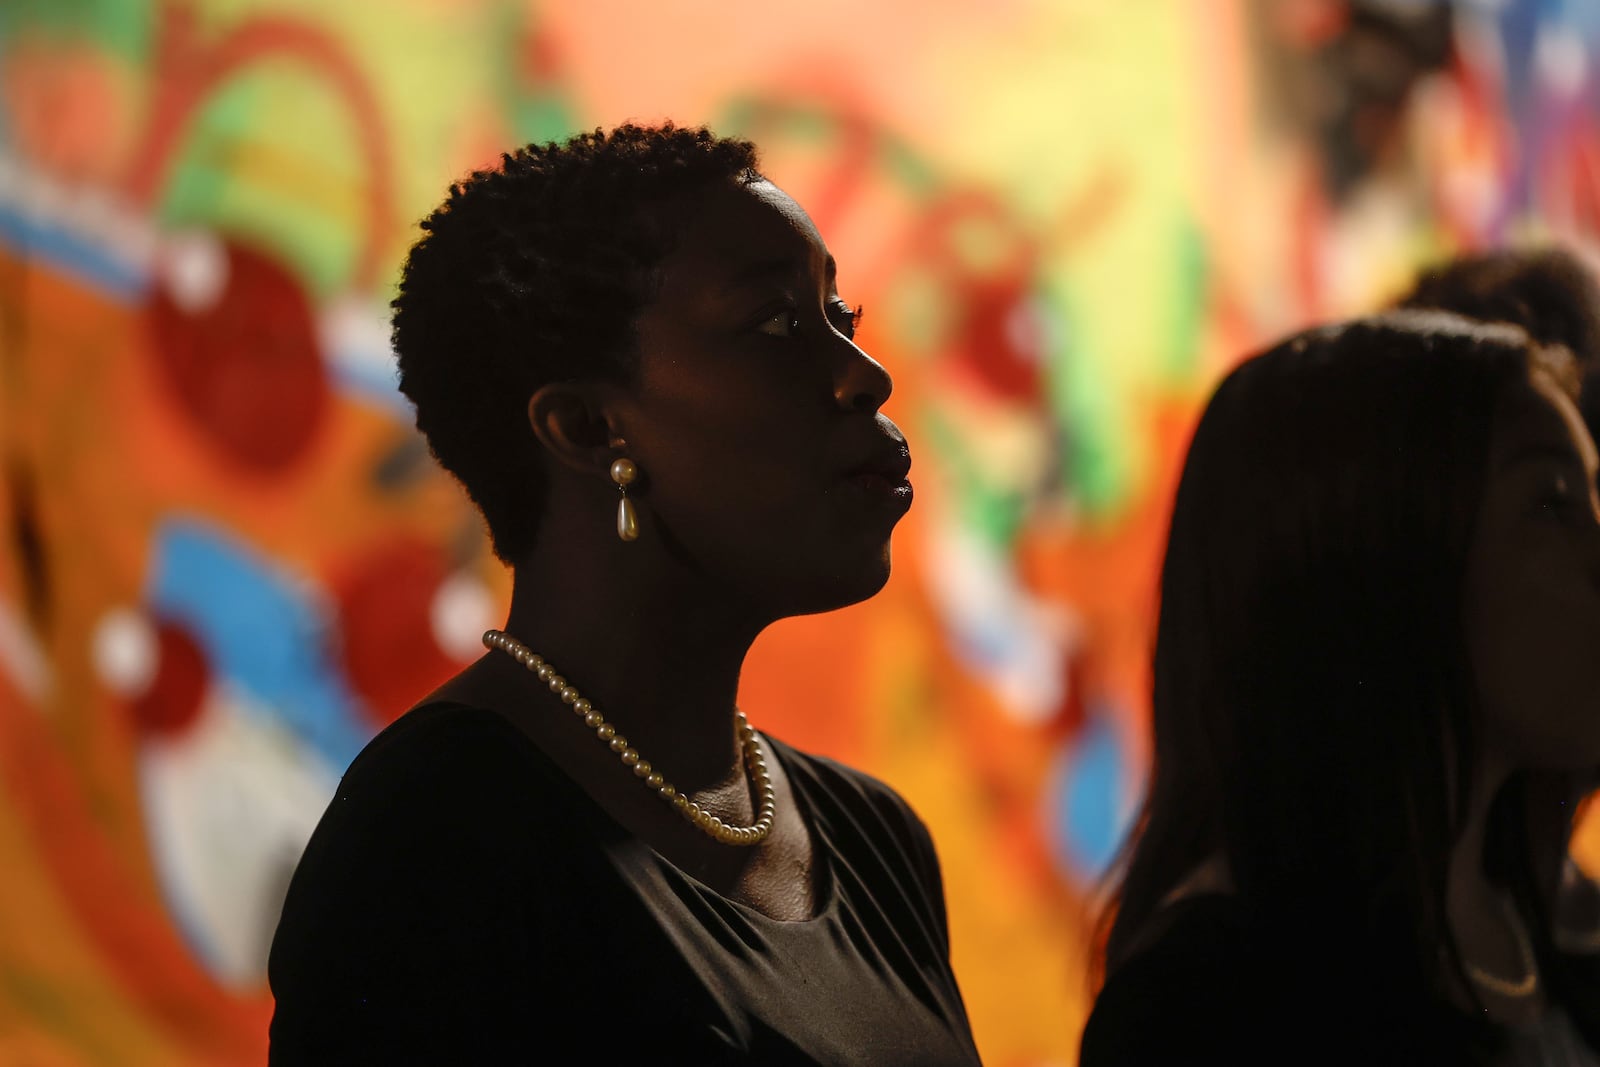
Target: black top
[463,901]
[1211,985]
[1207,987]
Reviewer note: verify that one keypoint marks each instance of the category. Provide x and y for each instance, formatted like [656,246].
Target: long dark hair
[1314,710]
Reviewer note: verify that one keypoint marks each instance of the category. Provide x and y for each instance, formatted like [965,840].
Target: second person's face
[1533,584]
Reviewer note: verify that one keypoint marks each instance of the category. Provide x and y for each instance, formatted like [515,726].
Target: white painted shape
[462,610]
[356,332]
[229,807]
[195,266]
[125,651]
[1016,642]
[1560,59]
[100,217]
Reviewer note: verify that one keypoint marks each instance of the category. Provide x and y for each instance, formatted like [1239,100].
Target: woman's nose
[863,384]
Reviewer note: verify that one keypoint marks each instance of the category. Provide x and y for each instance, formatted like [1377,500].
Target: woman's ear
[572,422]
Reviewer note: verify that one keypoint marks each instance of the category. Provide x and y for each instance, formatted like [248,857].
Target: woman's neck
[662,666]
[1469,888]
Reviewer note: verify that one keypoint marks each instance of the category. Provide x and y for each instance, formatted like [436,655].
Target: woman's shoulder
[443,752]
[1213,982]
[438,728]
[1199,933]
[441,770]
[1195,981]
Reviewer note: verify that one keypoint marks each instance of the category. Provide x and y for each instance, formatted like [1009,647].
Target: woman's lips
[886,487]
[879,474]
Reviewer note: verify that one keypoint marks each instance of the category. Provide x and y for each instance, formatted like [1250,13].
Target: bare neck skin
[660,658]
[660,664]
[651,645]
[639,629]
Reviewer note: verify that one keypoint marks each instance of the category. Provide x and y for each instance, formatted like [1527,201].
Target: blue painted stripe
[34,238]
[1089,791]
[261,630]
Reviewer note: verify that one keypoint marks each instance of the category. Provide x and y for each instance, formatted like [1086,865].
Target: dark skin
[769,483]
[1532,608]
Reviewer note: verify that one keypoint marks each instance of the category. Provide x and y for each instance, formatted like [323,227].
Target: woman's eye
[783,324]
[786,323]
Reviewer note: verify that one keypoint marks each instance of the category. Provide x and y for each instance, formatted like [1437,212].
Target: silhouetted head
[647,294]
[1383,563]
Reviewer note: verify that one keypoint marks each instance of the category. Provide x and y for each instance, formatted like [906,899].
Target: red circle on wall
[176,695]
[385,600]
[244,366]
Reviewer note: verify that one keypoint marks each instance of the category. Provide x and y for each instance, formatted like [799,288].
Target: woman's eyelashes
[785,322]
[845,319]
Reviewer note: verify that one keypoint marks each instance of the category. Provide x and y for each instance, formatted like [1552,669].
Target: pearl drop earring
[623,472]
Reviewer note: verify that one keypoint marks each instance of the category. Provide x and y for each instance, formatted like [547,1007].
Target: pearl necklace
[754,760]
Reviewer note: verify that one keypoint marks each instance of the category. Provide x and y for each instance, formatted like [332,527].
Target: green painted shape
[1083,400]
[541,119]
[121,26]
[536,116]
[278,114]
[909,170]
[995,514]
[1189,307]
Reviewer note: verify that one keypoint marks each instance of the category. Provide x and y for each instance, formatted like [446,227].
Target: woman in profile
[1379,612]
[631,350]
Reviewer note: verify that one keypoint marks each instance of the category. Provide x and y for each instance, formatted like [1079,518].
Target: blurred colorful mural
[226,559]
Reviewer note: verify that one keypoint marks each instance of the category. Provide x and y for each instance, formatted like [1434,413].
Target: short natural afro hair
[534,272]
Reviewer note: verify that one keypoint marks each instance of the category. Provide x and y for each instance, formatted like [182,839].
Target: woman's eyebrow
[786,268]
[748,275]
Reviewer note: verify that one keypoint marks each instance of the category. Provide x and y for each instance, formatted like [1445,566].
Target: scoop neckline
[821,843]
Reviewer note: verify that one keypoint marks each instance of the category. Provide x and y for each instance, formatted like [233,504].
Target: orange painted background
[227,560]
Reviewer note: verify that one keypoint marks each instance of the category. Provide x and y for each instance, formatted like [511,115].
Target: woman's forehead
[735,230]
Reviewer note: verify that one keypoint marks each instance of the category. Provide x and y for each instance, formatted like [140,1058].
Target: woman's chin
[853,582]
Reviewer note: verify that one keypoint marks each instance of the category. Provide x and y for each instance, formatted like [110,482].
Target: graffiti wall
[227,559]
